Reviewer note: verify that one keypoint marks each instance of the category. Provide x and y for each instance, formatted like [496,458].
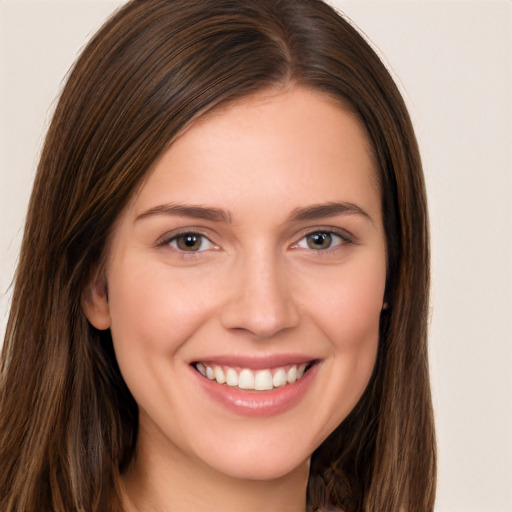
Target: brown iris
[319,240]
[189,241]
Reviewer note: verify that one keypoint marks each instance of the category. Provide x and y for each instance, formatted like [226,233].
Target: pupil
[320,240]
[189,242]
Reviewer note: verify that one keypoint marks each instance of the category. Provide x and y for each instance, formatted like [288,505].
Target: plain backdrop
[453,62]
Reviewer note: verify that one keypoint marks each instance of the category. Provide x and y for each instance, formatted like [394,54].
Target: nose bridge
[260,301]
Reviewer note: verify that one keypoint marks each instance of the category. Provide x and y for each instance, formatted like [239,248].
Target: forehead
[274,145]
[283,97]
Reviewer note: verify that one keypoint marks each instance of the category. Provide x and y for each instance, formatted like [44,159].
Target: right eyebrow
[192,211]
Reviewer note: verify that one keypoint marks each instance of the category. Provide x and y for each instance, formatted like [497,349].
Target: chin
[270,468]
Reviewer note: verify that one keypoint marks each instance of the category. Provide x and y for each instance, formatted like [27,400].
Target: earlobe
[95,303]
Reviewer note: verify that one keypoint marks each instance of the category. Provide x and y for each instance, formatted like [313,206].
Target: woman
[222,291]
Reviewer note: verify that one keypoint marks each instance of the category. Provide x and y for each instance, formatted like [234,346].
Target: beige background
[454,60]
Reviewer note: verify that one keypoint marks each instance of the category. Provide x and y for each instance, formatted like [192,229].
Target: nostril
[262,320]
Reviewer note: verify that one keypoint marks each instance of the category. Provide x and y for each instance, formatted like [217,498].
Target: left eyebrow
[319,211]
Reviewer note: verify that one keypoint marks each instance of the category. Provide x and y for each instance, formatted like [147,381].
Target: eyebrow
[196,212]
[312,212]
[331,209]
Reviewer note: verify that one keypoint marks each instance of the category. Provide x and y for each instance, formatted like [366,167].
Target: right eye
[191,242]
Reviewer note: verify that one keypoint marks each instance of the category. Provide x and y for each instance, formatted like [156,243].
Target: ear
[95,303]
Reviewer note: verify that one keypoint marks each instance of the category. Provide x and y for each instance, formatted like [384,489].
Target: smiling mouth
[253,380]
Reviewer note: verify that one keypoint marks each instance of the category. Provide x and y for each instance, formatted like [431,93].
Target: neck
[170,481]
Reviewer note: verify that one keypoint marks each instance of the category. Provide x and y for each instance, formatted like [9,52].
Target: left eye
[191,242]
[320,240]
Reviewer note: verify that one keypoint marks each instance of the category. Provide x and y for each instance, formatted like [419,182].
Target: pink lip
[260,404]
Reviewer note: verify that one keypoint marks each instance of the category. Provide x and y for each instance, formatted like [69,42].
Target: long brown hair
[68,424]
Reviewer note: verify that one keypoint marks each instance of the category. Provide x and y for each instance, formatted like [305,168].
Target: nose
[260,300]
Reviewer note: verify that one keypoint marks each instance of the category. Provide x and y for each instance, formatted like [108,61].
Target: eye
[191,242]
[321,240]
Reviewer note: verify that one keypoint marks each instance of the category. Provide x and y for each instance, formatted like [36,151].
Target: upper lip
[256,362]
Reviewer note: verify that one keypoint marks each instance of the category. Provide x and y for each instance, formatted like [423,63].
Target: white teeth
[292,374]
[246,379]
[218,373]
[261,380]
[201,369]
[279,378]
[231,377]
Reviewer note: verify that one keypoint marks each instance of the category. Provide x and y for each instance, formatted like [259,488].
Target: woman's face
[254,253]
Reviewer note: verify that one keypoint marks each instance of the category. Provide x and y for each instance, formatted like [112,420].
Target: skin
[257,286]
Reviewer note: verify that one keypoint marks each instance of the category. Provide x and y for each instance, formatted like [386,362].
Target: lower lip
[259,404]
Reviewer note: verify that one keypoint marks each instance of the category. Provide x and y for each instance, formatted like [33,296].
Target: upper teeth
[259,380]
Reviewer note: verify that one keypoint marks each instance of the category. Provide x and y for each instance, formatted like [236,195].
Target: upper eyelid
[171,235]
[343,233]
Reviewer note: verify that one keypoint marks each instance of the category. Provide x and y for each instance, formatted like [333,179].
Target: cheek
[348,311]
[153,308]
[154,313]
[349,304]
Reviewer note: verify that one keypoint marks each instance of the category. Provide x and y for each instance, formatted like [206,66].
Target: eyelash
[328,233]
[173,241]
